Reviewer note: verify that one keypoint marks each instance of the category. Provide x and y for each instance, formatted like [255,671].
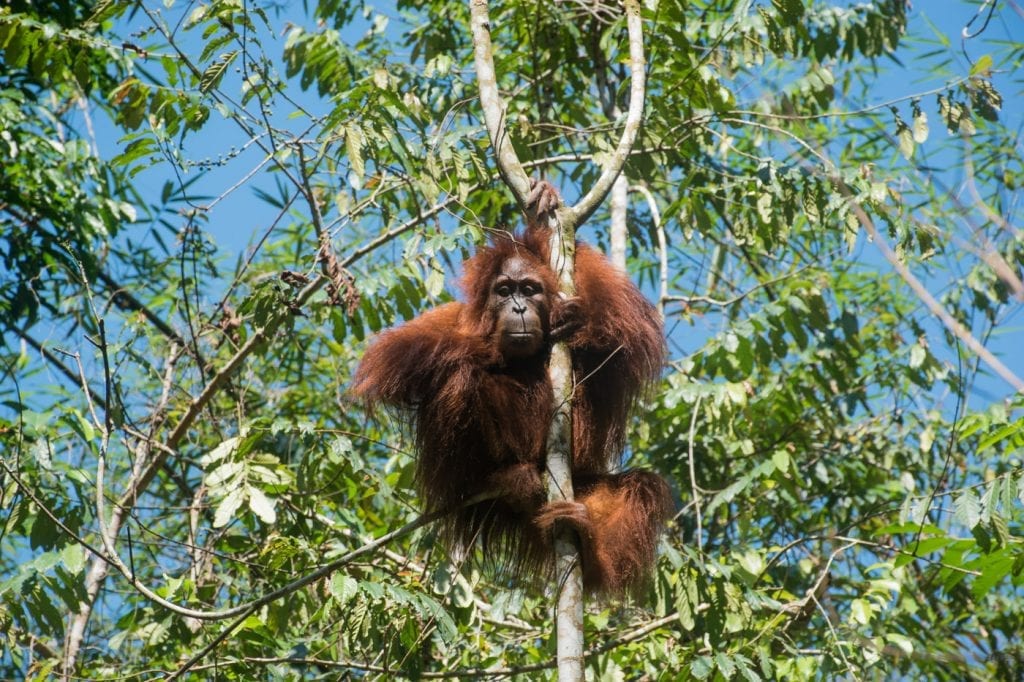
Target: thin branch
[562,223]
[284,590]
[637,633]
[511,171]
[694,488]
[812,594]
[147,470]
[389,672]
[406,562]
[125,299]
[592,199]
[933,305]
[633,635]
[951,85]
[618,229]
[29,492]
[212,644]
[659,228]
[52,358]
[936,308]
[726,302]
[242,611]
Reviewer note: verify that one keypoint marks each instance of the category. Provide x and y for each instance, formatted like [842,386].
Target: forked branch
[562,223]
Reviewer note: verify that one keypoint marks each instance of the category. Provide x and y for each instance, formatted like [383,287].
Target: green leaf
[1001,434]
[967,508]
[434,282]
[343,588]
[40,451]
[224,475]
[994,570]
[990,499]
[215,72]
[983,65]
[929,545]
[354,143]
[224,449]
[860,611]
[702,667]
[44,533]
[687,601]
[764,207]
[73,558]
[926,439]
[904,643]
[725,664]
[781,459]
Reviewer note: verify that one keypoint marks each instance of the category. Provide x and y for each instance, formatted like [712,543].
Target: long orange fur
[481,423]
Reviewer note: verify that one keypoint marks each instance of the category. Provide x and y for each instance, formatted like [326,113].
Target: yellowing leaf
[215,72]
[920,127]
[983,65]
[906,140]
[927,439]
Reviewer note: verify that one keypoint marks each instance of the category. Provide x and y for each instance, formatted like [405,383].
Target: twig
[618,229]
[637,86]
[694,488]
[936,308]
[652,207]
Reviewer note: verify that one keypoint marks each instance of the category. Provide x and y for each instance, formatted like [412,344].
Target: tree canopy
[206,209]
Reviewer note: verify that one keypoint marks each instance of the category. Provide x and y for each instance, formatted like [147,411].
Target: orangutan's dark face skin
[520,308]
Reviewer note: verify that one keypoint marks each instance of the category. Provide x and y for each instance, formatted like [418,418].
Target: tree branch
[659,228]
[563,223]
[936,308]
[509,167]
[618,229]
[592,199]
[569,607]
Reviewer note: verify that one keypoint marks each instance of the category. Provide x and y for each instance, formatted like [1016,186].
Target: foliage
[849,473]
